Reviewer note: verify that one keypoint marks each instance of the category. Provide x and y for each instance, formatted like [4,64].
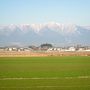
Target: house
[81,49]
[14,49]
[20,49]
[10,49]
[27,49]
[72,49]
[88,50]
[2,49]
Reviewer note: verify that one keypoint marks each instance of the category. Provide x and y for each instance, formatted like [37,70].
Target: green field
[45,73]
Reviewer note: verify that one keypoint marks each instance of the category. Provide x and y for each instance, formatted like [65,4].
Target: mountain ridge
[41,33]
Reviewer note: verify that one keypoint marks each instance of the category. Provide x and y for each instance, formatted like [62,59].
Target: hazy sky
[42,11]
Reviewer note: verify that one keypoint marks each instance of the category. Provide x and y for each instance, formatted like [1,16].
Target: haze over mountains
[55,33]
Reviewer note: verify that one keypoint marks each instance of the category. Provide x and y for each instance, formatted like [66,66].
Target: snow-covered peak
[37,27]
[53,26]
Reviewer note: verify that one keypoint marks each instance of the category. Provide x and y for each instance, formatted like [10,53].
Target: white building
[10,49]
[1,49]
[81,49]
[72,49]
[88,50]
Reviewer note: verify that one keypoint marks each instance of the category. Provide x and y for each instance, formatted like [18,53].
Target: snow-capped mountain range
[44,33]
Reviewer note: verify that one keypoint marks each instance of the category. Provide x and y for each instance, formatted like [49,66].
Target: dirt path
[40,54]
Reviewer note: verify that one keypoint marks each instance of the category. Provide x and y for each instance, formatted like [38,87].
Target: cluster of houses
[14,49]
[45,48]
[68,49]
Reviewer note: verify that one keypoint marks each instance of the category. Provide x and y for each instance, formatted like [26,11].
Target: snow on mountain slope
[48,32]
[38,27]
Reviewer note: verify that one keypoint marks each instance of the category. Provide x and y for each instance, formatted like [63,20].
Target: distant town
[46,47]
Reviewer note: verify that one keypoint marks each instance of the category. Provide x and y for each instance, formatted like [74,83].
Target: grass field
[45,73]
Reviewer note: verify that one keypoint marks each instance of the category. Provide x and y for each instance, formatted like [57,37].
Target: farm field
[45,73]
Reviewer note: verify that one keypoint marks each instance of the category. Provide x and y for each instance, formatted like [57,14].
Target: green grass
[45,73]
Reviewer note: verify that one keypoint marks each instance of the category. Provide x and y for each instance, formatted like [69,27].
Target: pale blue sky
[43,11]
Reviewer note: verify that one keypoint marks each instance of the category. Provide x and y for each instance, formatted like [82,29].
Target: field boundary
[41,54]
[83,77]
[48,86]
